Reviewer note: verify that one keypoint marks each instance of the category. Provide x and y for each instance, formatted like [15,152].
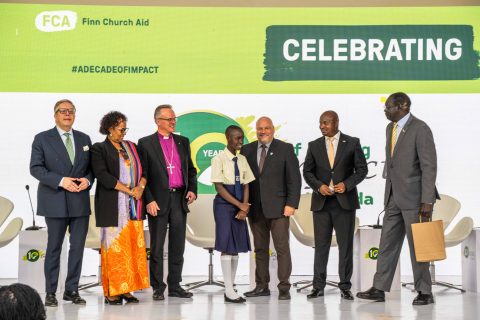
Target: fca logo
[52,21]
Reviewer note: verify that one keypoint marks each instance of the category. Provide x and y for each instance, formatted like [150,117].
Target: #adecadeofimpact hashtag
[114,69]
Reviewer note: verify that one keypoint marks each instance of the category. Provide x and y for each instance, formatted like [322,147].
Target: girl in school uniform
[231,175]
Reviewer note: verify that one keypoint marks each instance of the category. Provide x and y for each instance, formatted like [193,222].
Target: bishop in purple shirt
[171,187]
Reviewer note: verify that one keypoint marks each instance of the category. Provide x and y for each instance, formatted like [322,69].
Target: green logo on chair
[466,252]
[372,254]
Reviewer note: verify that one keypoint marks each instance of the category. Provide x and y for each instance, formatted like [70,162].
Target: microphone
[34,227]
[377,225]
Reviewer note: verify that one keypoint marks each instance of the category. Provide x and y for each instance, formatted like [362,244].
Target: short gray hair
[159,109]
[59,102]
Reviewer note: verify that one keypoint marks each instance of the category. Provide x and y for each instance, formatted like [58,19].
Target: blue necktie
[238,187]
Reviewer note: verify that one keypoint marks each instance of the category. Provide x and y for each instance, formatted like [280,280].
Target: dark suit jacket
[155,170]
[49,163]
[106,167]
[412,170]
[349,167]
[279,183]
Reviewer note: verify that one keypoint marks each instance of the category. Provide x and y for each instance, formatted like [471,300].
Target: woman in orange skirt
[118,211]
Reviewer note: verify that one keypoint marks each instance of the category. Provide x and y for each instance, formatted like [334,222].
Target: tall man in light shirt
[334,165]
[171,187]
[60,160]
[410,173]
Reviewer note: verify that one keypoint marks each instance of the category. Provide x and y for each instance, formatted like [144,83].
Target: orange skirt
[124,260]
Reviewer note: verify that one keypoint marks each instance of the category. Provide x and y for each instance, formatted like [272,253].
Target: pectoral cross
[171,167]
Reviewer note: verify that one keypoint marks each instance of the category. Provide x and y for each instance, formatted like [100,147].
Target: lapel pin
[271,153]
[344,141]
[86,148]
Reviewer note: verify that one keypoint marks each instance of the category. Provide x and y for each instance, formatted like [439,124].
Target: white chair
[446,209]
[201,233]
[13,227]
[93,242]
[301,225]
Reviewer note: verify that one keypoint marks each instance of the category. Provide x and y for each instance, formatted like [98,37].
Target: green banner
[411,52]
[89,49]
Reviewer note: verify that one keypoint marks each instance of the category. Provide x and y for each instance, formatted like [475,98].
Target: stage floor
[207,303]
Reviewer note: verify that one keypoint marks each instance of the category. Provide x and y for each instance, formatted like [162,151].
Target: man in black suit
[60,160]
[334,165]
[171,187]
[274,196]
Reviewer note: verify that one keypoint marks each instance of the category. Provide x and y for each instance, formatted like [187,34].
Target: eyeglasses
[123,130]
[168,119]
[123,153]
[66,111]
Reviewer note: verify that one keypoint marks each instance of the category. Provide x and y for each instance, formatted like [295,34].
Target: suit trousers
[397,223]
[333,217]
[176,220]
[279,227]
[56,229]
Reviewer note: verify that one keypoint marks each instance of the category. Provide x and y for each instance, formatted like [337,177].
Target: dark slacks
[56,229]
[176,220]
[279,228]
[333,217]
[397,223]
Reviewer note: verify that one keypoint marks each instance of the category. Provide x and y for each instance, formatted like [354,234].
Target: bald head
[265,130]
[329,123]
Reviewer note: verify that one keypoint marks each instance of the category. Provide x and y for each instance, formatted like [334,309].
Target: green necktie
[69,146]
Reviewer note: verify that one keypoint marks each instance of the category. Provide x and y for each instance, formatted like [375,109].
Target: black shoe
[74,297]
[238,300]
[180,293]
[158,295]
[257,292]
[423,299]
[346,294]
[284,295]
[372,294]
[51,300]
[115,301]
[315,293]
[129,298]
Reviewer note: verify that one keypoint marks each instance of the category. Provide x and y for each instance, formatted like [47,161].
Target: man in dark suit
[410,172]
[335,164]
[171,187]
[60,161]
[274,196]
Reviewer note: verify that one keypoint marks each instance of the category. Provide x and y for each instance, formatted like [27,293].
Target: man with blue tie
[60,161]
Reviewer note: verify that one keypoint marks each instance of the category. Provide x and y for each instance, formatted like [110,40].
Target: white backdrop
[453,119]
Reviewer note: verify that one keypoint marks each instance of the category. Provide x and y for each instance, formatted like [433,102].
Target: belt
[172,190]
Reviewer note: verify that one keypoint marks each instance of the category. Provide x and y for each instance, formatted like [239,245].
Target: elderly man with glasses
[171,187]
[60,161]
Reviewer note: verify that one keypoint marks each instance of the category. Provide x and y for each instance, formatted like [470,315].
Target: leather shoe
[257,292]
[346,294]
[51,300]
[315,293]
[284,295]
[180,293]
[372,294]
[158,295]
[113,300]
[238,300]
[423,299]
[74,297]
[129,298]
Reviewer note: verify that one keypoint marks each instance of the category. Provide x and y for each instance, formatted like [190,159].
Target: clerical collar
[164,137]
